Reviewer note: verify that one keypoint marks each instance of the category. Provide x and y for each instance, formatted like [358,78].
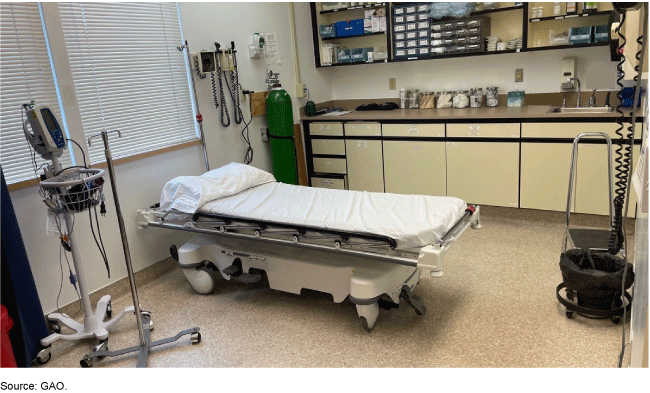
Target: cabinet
[484,173]
[365,165]
[545,175]
[415,167]
[592,192]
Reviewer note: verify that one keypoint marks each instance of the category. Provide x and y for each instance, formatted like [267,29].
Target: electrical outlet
[519,75]
[392,84]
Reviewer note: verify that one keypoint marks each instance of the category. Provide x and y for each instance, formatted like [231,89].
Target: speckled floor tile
[495,306]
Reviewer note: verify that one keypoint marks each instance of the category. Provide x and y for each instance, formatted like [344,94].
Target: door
[415,167]
[365,165]
[484,172]
[545,175]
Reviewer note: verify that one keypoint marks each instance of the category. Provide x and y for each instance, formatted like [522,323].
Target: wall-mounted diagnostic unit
[207,61]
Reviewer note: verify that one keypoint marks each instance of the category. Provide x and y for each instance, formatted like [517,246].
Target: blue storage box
[347,28]
[327,31]
[627,97]
[581,35]
[600,33]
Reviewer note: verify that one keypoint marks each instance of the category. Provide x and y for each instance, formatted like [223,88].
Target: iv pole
[143,317]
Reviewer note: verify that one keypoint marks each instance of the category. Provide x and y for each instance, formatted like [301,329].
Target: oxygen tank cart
[283,151]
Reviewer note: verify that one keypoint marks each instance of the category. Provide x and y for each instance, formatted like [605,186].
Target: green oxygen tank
[283,152]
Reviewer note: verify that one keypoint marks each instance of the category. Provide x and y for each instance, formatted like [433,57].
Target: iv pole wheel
[87,363]
[569,314]
[109,310]
[195,338]
[102,346]
[54,327]
[44,355]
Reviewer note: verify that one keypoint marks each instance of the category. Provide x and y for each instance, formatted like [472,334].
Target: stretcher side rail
[376,246]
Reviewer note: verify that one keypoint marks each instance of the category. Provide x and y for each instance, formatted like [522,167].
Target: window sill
[123,160]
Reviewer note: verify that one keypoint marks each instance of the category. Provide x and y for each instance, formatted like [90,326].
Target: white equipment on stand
[67,192]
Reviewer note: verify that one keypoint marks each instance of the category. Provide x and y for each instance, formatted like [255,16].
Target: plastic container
[343,56]
[461,99]
[349,28]
[492,96]
[444,100]
[516,98]
[600,33]
[581,35]
[476,97]
[327,31]
[357,55]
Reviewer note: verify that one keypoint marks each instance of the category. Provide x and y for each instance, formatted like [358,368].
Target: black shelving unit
[352,36]
[570,46]
[570,16]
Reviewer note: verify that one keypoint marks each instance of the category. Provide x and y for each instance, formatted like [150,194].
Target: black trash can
[593,281]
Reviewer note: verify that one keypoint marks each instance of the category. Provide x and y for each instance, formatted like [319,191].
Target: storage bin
[334,6]
[475,39]
[411,43]
[399,28]
[357,55]
[411,9]
[399,44]
[366,51]
[460,40]
[437,27]
[343,56]
[327,31]
[349,28]
[399,19]
[423,34]
[422,17]
[423,8]
[423,25]
[439,50]
[411,26]
[400,52]
[399,36]
[436,42]
[600,33]
[411,35]
[474,47]
[581,35]
[399,10]
[436,36]
[423,42]
[411,18]
[423,51]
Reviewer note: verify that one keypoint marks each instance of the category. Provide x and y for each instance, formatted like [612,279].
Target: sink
[583,109]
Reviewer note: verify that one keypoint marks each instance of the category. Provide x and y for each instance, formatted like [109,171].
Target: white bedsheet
[412,220]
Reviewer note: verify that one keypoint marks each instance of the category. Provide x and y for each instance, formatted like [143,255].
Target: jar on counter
[476,97]
[444,100]
[461,99]
[492,96]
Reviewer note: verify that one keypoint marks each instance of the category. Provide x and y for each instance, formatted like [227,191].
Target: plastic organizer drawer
[362,129]
[336,183]
[400,36]
[411,18]
[411,35]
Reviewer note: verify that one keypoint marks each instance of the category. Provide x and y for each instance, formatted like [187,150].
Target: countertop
[531,112]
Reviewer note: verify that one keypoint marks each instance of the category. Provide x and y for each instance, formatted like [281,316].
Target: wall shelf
[570,46]
[357,63]
[358,7]
[353,36]
[572,16]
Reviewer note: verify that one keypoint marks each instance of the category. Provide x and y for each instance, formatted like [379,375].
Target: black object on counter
[386,106]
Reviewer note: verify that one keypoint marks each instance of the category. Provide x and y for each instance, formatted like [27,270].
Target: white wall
[541,73]
[140,182]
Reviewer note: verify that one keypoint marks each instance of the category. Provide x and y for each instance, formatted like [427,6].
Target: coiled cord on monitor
[236,91]
[616,237]
[225,116]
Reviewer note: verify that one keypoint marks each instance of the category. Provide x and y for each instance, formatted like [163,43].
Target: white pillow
[188,193]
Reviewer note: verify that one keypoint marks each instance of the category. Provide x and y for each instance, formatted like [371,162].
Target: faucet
[592,99]
[577,80]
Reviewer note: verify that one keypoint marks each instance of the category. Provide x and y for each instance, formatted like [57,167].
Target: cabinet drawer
[362,129]
[571,130]
[328,146]
[335,129]
[414,130]
[330,165]
[328,182]
[490,130]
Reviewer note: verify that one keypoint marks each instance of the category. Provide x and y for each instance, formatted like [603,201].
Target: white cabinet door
[415,167]
[484,172]
[365,165]
[545,175]
[592,192]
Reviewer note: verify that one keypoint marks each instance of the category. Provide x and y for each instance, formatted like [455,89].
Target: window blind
[129,75]
[25,75]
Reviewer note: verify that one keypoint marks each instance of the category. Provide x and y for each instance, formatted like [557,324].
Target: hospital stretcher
[373,269]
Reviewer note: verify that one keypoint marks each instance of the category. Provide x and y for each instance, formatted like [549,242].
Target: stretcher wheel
[616,319]
[44,355]
[211,281]
[569,314]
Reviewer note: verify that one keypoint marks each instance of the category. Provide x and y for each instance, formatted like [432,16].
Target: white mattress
[412,220]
